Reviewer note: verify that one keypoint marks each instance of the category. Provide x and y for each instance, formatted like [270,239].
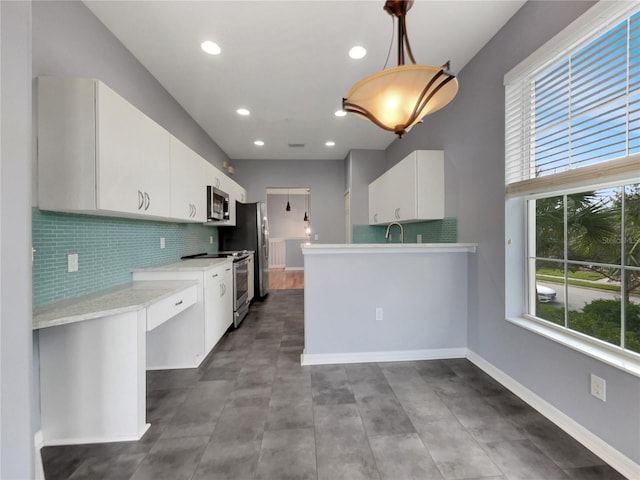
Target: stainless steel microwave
[217,204]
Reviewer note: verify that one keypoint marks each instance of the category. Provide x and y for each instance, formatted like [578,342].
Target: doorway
[289,214]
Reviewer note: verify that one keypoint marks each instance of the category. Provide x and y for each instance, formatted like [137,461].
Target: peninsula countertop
[386,248]
[112,301]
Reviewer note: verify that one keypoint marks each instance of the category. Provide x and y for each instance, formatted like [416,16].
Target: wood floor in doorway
[281,279]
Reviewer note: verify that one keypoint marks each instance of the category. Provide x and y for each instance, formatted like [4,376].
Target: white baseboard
[599,447]
[85,440]
[38,441]
[294,269]
[277,266]
[392,356]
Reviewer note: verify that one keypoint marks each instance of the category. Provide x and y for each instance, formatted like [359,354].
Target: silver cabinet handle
[375,217]
[214,275]
[227,269]
[397,213]
[148,201]
[195,209]
[179,303]
[140,200]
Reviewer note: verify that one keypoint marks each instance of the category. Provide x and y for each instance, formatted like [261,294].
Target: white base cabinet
[410,191]
[186,339]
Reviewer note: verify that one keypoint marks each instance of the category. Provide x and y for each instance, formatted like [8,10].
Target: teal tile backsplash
[108,248]
[433,231]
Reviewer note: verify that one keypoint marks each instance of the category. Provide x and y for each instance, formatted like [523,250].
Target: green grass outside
[578,274]
[579,283]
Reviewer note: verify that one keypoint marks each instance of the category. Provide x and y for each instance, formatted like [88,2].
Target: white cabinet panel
[188,183]
[97,153]
[412,190]
[218,304]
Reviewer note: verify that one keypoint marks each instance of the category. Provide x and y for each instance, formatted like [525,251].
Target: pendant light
[397,98]
[288,208]
[306,217]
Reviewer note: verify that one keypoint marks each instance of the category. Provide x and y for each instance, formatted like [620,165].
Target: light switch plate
[161,242]
[598,387]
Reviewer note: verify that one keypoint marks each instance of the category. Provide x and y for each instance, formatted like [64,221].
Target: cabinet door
[401,190]
[188,183]
[133,164]
[378,208]
[218,304]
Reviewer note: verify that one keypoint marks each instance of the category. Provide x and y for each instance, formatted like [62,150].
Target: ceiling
[288,63]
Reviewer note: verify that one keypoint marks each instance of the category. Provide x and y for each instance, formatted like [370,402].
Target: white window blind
[578,109]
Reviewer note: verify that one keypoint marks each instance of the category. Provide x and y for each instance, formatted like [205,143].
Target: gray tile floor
[252,412]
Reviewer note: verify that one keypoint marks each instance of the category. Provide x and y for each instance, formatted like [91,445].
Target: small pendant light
[288,209]
[306,217]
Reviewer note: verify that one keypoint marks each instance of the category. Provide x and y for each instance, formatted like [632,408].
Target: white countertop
[358,248]
[193,264]
[120,299]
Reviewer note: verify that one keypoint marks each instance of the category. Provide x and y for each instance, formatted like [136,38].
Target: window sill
[626,361]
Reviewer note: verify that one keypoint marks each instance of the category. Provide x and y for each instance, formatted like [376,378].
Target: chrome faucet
[386,235]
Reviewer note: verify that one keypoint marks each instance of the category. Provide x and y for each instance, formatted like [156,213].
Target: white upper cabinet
[236,194]
[97,153]
[188,183]
[411,191]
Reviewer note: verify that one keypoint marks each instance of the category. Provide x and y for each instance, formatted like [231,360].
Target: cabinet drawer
[161,311]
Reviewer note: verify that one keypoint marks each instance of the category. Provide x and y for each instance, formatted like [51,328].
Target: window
[572,170]
[584,260]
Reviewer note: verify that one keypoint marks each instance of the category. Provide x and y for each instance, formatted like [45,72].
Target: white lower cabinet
[186,339]
[218,304]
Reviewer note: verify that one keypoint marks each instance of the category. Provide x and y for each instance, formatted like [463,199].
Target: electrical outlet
[211,240]
[161,242]
[598,387]
[72,262]
[379,314]
[315,236]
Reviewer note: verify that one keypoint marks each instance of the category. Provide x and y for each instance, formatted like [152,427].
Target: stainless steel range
[240,280]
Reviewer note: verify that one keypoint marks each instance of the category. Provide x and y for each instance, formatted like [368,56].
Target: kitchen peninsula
[385,302]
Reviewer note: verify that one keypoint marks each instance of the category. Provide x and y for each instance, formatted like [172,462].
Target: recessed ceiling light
[210,47]
[357,52]
[330,143]
[340,113]
[258,143]
[243,111]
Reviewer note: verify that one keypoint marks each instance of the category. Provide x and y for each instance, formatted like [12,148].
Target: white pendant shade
[389,97]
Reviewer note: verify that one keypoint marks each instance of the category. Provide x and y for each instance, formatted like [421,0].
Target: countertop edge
[190,265]
[387,248]
[78,309]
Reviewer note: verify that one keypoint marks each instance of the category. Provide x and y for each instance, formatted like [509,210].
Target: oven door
[241,283]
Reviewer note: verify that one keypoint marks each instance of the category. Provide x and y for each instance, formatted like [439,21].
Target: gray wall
[324,178]
[471,132]
[422,311]
[283,224]
[362,168]
[16,439]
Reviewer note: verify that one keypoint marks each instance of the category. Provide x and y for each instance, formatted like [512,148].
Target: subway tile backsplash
[107,247]
[433,231]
